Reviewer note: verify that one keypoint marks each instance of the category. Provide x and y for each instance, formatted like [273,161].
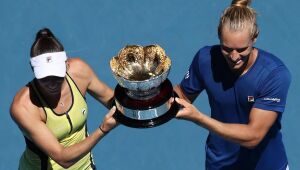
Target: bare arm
[91,83]
[247,135]
[181,94]
[28,118]
[100,90]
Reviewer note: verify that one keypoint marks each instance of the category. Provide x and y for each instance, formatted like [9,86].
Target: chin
[236,67]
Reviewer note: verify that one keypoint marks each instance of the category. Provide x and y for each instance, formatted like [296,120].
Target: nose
[234,55]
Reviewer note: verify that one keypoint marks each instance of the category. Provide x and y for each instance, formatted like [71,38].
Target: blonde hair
[239,16]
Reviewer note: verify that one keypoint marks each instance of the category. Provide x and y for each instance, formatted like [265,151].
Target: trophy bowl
[143,91]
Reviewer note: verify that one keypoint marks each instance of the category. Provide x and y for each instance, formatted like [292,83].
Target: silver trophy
[143,91]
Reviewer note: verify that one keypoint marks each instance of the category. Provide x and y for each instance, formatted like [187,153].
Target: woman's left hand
[109,121]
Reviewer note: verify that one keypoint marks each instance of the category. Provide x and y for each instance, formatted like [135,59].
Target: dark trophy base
[138,113]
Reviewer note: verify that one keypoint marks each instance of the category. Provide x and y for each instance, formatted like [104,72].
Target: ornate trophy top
[140,68]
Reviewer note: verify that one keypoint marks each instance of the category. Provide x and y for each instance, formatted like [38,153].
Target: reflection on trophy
[143,91]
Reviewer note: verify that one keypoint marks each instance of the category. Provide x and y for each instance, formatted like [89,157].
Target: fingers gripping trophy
[143,92]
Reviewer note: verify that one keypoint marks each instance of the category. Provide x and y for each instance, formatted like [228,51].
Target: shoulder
[272,69]
[79,68]
[270,62]
[205,53]
[76,63]
[81,73]
[22,106]
[21,98]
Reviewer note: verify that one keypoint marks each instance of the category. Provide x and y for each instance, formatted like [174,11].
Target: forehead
[235,38]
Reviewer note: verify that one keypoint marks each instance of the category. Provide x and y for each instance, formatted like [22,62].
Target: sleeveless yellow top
[69,128]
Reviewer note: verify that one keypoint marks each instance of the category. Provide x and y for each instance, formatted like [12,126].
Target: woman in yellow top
[51,110]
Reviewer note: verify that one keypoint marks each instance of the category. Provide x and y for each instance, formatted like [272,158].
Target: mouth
[235,62]
[53,88]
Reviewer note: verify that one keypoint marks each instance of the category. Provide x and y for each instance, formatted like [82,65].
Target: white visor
[49,64]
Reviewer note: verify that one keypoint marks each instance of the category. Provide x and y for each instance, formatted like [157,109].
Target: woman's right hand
[109,122]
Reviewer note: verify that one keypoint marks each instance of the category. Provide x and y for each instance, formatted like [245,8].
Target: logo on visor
[49,59]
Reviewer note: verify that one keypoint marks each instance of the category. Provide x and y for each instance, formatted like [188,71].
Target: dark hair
[45,42]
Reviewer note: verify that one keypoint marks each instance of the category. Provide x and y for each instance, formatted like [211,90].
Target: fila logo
[250,99]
